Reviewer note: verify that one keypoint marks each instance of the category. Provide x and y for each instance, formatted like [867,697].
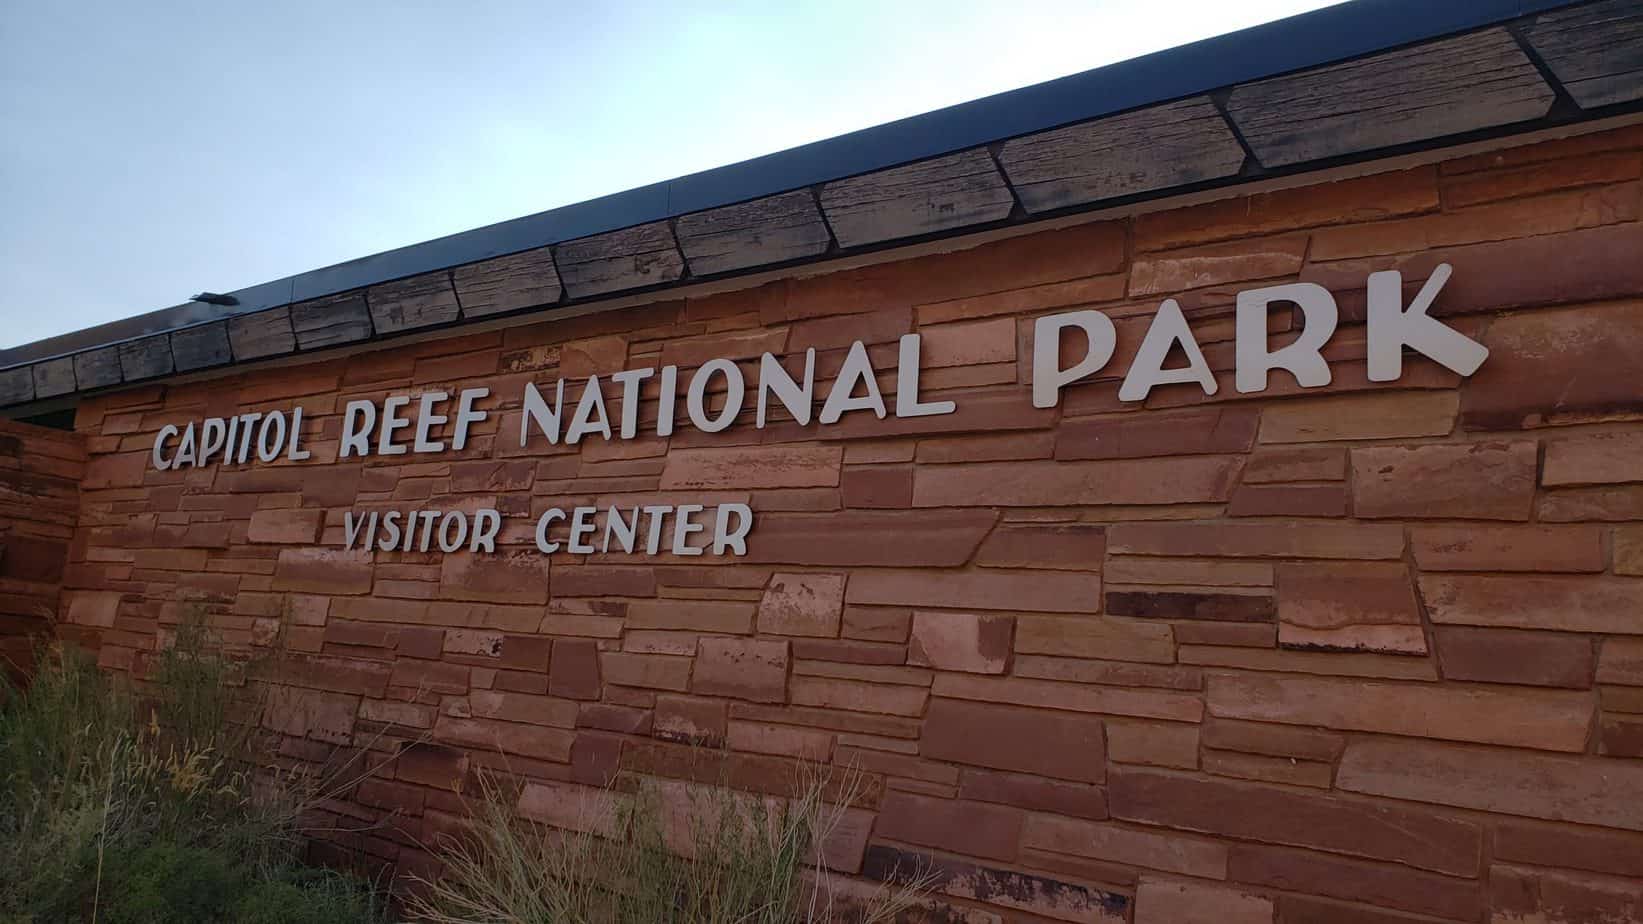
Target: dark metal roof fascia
[1325,36]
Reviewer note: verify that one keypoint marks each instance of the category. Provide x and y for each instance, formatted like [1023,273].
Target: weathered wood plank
[640,256]
[200,347]
[1135,152]
[511,283]
[774,229]
[331,320]
[949,192]
[407,304]
[54,377]
[97,368]
[1595,51]
[262,333]
[16,385]
[146,358]
[1462,84]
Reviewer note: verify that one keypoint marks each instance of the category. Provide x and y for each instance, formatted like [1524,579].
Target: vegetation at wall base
[653,852]
[157,801]
[145,804]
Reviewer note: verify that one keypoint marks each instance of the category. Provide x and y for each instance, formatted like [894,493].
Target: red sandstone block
[1154,744]
[1606,458]
[781,740]
[1039,896]
[492,736]
[1090,290]
[323,571]
[124,470]
[1586,790]
[1238,261]
[502,577]
[660,672]
[802,604]
[689,719]
[311,713]
[753,467]
[1281,465]
[856,696]
[290,526]
[1257,540]
[523,707]
[390,796]
[1617,853]
[1385,885]
[1418,837]
[1359,199]
[1273,740]
[974,642]
[1549,720]
[1047,591]
[1509,656]
[390,712]
[430,676]
[984,447]
[431,765]
[629,720]
[1171,901]
[594,356]
[1621,662]
[1569,604]
[1598,504]
[1111,673]
[849,652]
[693,615]
[886,624]
[1186,479]
[1236,606]
[1290,500]
[1117,843]
[1490,481]
[477,643]
[989,831]
[1365,606]
[967,343]
[1628,550]
[1062,546]
[751,669]
[600,581]
[1285,770]
[340,675]
[1543,895]
[92,608]
[877,486]
[1558,367]
[1011,738]
[1508,548]
[1094,637]
[946,538]
[1072,697]
[1198,431]
[1209,572]
[1034,793]
[570,806]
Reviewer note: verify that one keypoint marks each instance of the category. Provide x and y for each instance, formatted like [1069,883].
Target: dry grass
[662,853]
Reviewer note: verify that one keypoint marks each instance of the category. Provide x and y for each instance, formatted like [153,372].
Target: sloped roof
[1348,83]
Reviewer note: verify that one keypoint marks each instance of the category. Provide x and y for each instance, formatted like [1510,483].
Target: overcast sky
[150,151]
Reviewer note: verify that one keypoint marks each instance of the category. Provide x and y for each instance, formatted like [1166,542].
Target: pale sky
[150,151]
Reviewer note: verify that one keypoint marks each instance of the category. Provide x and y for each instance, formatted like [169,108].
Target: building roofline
[1210,69]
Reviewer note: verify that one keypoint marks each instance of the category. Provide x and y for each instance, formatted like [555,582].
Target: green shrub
[128,804]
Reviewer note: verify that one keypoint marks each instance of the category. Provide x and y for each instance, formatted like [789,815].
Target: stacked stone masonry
[40,472]
[1371,652]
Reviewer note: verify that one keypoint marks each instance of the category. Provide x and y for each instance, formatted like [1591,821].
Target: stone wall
[40,472]
[1370,652]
